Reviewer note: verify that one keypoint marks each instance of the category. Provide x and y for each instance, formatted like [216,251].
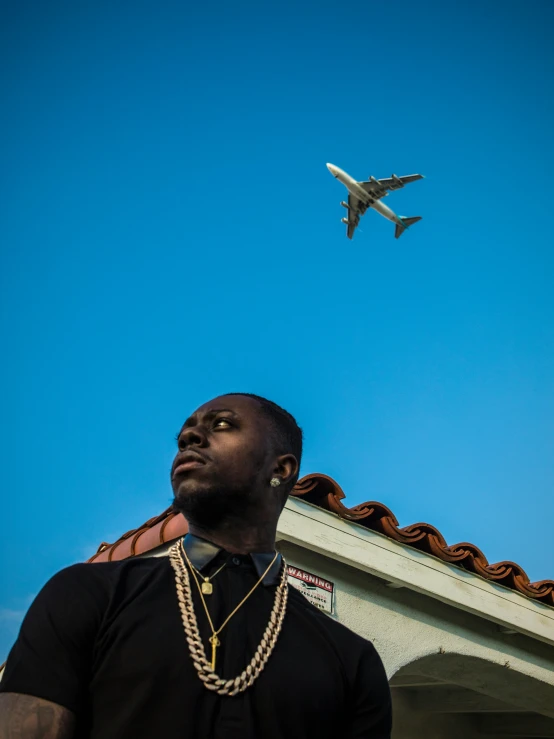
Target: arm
[372,708]
[26,717]
[45,683]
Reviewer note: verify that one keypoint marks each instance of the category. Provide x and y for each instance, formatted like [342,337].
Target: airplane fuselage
[365,197]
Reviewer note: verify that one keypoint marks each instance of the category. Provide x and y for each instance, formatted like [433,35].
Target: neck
[238,537]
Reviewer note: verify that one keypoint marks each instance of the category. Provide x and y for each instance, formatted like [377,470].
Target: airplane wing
[355,210]
[380,188]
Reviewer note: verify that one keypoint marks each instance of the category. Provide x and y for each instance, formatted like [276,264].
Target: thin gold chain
[211,577]
[206,671]
[243,601]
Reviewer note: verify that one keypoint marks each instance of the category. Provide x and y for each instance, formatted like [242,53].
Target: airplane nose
[332,169]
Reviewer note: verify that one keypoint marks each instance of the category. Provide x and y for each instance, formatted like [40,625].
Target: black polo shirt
[106,641]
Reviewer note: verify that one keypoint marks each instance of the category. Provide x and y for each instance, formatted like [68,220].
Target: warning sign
[318,591]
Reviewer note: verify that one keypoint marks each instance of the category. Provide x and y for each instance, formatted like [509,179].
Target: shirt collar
[201,552]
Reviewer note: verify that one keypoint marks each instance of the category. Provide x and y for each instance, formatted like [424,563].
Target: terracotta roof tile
[324,492]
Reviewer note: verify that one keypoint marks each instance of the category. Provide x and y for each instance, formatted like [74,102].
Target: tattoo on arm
[27,717]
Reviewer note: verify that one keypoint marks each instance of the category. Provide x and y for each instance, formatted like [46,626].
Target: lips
[188,461]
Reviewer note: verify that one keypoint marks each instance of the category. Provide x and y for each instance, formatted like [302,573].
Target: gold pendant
[214,641]
[207,587]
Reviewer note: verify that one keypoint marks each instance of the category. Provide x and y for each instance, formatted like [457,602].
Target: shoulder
[357,656]
[106,571]
[73,603]
[344,637]
[91,581]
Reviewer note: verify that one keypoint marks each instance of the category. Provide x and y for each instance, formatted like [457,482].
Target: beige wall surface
[406,626]
[453,674]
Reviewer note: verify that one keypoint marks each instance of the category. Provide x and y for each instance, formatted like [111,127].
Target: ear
[286,468]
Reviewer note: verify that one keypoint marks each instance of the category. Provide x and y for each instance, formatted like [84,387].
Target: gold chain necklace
[205,670]
[214,641]
[207,587]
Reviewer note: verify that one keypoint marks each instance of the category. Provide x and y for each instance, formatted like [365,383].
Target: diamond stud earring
[275,482]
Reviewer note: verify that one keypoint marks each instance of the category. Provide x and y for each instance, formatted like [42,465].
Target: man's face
[225,453]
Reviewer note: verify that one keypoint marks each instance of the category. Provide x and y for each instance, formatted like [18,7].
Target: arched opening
[455,696]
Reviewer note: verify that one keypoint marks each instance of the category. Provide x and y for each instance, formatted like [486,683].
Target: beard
[210,507]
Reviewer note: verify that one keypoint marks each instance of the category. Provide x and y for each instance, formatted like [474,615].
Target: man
[208,642]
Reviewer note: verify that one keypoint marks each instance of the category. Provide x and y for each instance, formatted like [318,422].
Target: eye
[222,423]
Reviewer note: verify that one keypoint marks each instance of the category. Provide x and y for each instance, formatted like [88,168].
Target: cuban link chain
[211,680]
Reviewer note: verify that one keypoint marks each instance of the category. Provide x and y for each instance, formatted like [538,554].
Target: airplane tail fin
[406,223]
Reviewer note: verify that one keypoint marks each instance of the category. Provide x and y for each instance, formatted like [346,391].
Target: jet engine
[397,181]
[345,205]
[345,221]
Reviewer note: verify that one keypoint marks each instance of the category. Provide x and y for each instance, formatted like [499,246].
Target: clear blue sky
[169,232]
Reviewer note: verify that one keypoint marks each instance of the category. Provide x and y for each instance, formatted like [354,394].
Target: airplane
[364,195]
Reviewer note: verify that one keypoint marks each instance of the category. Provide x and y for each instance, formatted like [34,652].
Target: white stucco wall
[409,724]
[430,627]
[406,626]
[361,549]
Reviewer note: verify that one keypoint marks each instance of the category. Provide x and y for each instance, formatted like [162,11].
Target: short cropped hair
[287,433]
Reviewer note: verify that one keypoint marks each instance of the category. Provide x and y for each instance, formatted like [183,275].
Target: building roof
[324,492]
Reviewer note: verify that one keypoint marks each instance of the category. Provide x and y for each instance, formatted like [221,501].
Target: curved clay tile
[324,492]
[165,527]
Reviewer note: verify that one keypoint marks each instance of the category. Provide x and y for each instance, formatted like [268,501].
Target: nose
[192,436]
[332,169]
